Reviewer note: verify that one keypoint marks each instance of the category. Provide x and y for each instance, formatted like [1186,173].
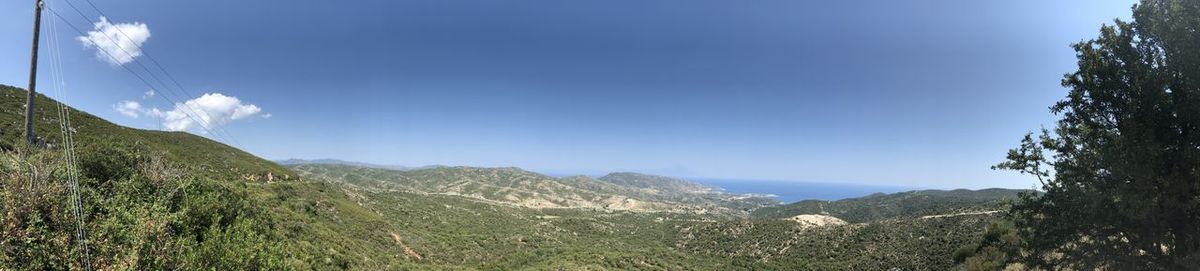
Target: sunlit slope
[516,187]
[888,244]
[140,218]
[914,230]
[93,134]
[460,216]
[473,232]
[330,217]
[909,204]
[659,183]
[210,203]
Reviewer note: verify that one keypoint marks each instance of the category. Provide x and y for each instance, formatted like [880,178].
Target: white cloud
[121,41]
[129,108]
[149,94]
[209,110]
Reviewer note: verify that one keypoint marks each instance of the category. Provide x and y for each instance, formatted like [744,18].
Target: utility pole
[37,27]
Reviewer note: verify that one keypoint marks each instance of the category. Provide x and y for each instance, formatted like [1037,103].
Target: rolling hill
[517,187]
[171,200]
[291,162]
[163,200]
[909,204]
[92,134]
[660,183]
[918,237]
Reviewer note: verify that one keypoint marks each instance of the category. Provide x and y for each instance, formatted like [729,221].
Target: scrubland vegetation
[1118,173]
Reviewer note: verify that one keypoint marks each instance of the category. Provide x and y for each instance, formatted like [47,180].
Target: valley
[703,230]
[256,214]
[600,135]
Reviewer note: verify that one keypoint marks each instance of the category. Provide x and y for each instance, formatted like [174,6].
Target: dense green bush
[136,216]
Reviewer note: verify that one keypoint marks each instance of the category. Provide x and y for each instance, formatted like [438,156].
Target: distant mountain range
[295,161]
[518,187]
[703,227]
[173,200]
[908,204]
[684,224]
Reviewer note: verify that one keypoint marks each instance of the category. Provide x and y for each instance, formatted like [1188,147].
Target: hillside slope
[165,201]
[886,244]
[93,134]
[169,200]
[294,161]
[516,187]
[659,183]
[909,204]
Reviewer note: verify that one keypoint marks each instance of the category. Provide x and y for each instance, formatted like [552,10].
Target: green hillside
[165,200]
[889,244]
[516,187]
[169,200]
[437,223]
[426,231]
[904,204]
[93,134]
[659,183]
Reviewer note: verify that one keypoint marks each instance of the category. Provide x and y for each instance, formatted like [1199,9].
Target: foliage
[468,232]
[153,200]
[1120,171]
[513,186]
[906,244]
[155,217]
[904,204]
[993,250]
[164,200]
[140,219]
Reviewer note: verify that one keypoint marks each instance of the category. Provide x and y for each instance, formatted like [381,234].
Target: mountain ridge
[331,161]
[914,203]
[515,186]
[211,208]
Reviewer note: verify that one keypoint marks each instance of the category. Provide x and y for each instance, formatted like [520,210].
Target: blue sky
[921,93]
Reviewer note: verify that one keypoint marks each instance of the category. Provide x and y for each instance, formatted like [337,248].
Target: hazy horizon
[892,187]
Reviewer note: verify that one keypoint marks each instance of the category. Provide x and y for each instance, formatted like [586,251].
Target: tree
[1121,172]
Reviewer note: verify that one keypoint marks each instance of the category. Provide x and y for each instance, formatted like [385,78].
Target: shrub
[135,216]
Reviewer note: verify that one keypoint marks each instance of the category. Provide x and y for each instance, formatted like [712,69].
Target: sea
[789,191]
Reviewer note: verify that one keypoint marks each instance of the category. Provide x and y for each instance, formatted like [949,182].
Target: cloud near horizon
[118,43]
[208,110]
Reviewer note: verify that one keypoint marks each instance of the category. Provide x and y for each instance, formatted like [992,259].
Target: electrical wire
[203,124]
[158,65]
[207,125]
[59,88]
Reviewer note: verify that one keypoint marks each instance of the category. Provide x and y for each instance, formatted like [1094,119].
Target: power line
[156,64]
[135,74]
[59,86]
[159,66]
[188,109]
